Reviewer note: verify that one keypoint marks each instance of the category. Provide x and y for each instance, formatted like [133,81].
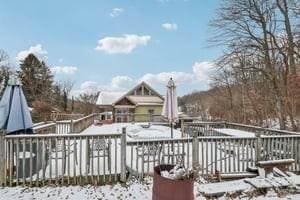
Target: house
[142,103]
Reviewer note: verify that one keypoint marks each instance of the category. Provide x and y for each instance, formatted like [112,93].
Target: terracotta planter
[165,189]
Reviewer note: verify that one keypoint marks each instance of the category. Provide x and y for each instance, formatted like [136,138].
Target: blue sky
[112,45]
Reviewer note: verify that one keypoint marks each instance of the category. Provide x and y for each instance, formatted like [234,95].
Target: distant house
[136,105]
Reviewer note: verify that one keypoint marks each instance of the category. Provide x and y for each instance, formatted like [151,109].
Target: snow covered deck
[134,131]
[235,132]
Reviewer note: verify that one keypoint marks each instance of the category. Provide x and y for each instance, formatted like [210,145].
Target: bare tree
[5,71]
[259,39]
[88,100]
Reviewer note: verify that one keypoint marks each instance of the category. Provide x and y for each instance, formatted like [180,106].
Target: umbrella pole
[172,147]
[171,130]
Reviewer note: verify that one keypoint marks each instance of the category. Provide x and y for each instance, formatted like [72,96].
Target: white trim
[124,106]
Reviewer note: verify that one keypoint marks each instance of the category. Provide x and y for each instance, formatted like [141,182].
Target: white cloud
[203,70]
[115,12]
[170,26]
[89,86]
[86,87]
[200,74]
[37,50]
[64,70]
[122,45]
[163,77]
[168,1]
[119,82]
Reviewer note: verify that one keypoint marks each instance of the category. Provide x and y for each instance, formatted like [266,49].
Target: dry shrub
[41,111]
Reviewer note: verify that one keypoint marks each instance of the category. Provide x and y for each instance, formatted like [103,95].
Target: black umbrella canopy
[15,116]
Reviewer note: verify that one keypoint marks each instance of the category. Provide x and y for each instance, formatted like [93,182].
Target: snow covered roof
[108,98]
[145,100]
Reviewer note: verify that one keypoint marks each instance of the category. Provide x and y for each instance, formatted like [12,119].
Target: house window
[146,92]
[151,111]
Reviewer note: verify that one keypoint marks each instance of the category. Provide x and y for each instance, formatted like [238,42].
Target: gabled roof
[126,99]
[111,98]
[143,83]
[145,100]
[108,98]
[137,87]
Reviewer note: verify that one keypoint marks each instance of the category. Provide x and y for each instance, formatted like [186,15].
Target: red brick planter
[167,189]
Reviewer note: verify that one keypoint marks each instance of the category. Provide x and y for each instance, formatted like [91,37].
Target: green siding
[144,111]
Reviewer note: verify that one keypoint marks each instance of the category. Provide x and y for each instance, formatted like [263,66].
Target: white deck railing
[72,158]
[62,159]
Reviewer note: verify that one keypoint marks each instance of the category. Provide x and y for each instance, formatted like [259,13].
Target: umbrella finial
[171,83]
[14,80]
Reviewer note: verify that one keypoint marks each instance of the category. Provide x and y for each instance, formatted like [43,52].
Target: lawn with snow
[134,189]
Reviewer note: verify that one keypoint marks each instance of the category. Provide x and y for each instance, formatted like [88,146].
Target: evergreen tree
[36,78]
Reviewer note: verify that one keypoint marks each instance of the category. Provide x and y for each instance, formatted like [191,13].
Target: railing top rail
[187,139]
[157,140]
[39,124]
[63,121]
[83,118]
[52,135]
[203,122]
[69,114]
[246,126]
[133,114]
[280,136]
[43,126]
[264,129]
[226,137]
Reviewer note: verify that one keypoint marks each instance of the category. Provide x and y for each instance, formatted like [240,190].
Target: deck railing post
[182,127]
[123,155]
[258,147]
[72,126]
[195,150]
[2,158]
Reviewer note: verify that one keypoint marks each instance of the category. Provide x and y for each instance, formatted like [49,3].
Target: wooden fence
[45,128]
[72,158]
[208,129]
[65,116]
[259,130]
[37,160]
[215,154]
[65,126]
[203,128]
[137,117]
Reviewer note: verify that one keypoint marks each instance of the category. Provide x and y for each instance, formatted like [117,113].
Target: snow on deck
[235,132]
[134,131]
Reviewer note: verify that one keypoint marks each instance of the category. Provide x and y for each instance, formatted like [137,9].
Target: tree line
[257,77]
[43,93]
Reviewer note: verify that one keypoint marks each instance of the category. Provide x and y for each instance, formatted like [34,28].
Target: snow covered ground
[134,131]
[132,190]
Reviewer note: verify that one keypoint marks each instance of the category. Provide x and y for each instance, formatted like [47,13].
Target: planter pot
[36,163]
[168,189]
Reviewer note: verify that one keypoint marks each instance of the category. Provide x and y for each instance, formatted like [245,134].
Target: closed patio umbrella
[170,108]
[15,117]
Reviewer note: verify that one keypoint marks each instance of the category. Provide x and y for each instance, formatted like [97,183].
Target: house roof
[145,100]
[108,98]
[136,87]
